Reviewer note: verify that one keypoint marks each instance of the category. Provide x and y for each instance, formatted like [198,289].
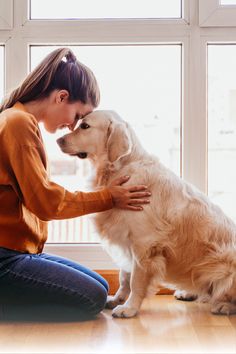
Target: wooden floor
[164,325]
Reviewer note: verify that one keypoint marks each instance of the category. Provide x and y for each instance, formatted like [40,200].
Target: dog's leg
[226,305]
[139,283]
[123,291]
[184,295]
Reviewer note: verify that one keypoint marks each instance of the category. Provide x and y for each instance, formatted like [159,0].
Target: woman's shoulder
[14,115]
[20,124]
[18,120]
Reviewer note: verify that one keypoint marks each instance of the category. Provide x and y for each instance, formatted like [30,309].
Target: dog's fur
[181,238]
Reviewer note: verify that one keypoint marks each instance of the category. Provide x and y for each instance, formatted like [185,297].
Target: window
[79,9]
[1,72]
[227,2]
[153,75]
[222,126]
[189,43]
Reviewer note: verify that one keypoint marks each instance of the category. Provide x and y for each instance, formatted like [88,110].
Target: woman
[58,93]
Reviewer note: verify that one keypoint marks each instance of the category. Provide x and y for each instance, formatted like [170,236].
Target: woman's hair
[59,70]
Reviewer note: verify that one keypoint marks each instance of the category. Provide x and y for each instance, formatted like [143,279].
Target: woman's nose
[72,126]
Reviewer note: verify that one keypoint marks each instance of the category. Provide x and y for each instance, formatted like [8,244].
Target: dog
[180,240]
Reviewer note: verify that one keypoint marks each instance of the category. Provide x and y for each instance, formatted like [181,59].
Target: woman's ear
[119,143]
[62,95]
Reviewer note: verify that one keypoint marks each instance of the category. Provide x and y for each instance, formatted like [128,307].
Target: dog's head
[98,133]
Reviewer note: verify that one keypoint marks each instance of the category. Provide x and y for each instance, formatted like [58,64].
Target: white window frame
[6,14]
[186,31]
[213,14]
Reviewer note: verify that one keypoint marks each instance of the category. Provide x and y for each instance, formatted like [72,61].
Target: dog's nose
[61,141]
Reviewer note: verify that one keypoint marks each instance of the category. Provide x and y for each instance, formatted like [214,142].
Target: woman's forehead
[84,108]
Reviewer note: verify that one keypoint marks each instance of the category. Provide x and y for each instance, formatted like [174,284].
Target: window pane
[228,2]
[80,9]
[141,83]
[222,126]
[1,72]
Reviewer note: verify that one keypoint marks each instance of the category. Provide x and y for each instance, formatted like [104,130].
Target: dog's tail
[216,275]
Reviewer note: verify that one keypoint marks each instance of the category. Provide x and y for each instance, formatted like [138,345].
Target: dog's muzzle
[61,141]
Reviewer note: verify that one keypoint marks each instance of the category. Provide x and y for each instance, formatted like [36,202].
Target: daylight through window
[222,126]
[141,83]
[79,9]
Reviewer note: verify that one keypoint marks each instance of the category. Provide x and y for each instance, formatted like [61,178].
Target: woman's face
[61,114]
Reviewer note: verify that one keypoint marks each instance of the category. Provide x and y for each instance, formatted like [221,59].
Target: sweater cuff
[107,197]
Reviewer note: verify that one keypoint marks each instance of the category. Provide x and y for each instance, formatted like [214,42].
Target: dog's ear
[119,141]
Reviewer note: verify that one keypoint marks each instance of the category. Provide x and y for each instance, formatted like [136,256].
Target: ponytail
[53,73]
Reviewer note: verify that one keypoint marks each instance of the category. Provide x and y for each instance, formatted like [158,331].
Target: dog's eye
[84,126]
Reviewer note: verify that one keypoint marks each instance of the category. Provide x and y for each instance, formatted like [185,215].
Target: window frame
[187,31]
[6,14]
[213,14]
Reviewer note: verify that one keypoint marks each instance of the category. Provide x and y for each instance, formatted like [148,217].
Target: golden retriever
[181,239]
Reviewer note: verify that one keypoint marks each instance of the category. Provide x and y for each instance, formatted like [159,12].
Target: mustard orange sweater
[28,199]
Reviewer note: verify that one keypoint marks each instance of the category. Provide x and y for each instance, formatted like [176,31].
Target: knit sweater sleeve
[46,199]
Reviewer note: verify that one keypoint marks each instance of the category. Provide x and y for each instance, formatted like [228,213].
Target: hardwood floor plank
[164,325]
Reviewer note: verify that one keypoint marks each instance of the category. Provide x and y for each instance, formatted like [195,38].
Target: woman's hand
[128,197]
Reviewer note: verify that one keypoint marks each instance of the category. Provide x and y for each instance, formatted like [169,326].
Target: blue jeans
[46,279]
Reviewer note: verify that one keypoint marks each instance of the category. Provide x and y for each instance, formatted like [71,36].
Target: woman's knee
[98,300]
[104,283]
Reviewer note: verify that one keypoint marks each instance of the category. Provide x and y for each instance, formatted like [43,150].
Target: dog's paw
[223,308]
[123,311]
[113,301]
[183,295]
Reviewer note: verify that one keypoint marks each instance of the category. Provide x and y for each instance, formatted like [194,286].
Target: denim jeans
[47,279]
